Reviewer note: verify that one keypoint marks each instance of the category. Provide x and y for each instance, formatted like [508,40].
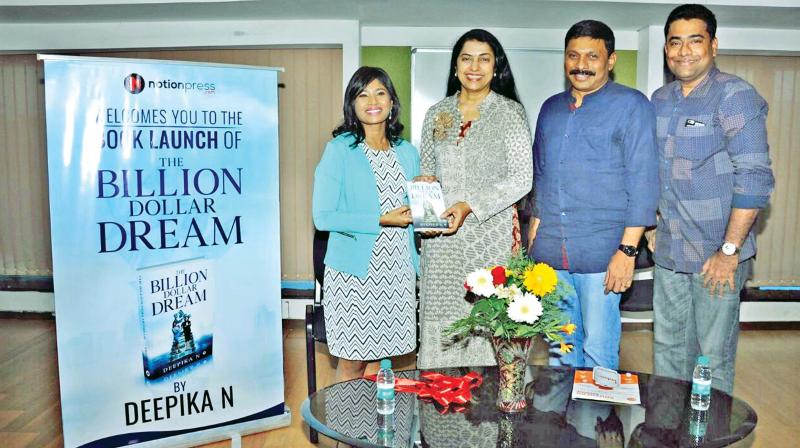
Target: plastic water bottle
[701,384]
[698,423]
[386,428]
[385,383]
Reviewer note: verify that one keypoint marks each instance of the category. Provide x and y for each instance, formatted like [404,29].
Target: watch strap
[630,251]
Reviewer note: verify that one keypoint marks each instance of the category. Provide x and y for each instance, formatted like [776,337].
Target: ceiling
[620,15]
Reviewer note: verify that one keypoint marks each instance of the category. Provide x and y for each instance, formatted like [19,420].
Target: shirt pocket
[696,138]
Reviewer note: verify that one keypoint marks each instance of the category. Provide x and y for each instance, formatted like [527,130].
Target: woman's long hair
[358,82]
[502,82]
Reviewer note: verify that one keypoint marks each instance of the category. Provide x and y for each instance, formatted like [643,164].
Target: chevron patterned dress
[375,317]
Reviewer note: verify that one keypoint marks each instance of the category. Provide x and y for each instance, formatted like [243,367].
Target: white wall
[650,59]
[45,37]
[349,35]
[445,37]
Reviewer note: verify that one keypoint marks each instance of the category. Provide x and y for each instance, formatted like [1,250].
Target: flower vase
[512,359]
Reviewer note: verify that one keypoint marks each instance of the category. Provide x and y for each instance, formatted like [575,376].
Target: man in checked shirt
[715,177]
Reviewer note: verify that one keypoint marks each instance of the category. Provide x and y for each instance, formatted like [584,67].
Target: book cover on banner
[627,392]
[176,309]
[427,205]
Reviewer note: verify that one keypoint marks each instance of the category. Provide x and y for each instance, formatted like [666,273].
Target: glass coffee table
[346,412]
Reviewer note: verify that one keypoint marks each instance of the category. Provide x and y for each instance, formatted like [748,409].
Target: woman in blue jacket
[360,198]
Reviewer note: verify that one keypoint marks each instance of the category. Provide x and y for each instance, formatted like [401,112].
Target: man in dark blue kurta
[596,189]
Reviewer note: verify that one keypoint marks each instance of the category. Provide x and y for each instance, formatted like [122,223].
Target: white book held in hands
[427,205]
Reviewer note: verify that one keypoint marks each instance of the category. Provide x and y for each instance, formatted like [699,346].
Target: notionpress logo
[134,83]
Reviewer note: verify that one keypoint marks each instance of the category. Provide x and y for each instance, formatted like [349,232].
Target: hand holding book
[428,179]
[399,217]
[456,215]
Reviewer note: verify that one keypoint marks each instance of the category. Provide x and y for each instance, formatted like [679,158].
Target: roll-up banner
[166,255]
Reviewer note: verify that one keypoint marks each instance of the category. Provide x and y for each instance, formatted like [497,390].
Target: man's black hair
[692,11]
[593,29]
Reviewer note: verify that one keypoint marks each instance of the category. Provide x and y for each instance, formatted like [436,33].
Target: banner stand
[165,229]
[234,433]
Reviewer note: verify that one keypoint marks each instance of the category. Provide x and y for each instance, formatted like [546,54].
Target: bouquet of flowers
[519,300]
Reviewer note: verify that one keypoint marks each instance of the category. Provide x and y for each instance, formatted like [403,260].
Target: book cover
[427,205]
[176,313]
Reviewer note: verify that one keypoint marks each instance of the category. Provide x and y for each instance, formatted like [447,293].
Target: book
[427,205]
[627,392]
[176,304]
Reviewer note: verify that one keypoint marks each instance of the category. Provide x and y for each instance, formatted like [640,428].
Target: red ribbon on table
[445,390]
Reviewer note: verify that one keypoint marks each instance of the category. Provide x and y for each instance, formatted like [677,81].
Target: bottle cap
[386,363]
[702,360]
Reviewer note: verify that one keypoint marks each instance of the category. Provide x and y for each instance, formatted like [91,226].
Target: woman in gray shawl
[477,143]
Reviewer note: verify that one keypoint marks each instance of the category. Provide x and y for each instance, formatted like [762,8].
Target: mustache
[582,72]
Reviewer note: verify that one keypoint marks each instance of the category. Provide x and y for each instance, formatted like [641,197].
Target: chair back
[320,247]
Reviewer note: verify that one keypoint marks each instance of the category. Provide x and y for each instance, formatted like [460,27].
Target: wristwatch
[729,248]
[630,251]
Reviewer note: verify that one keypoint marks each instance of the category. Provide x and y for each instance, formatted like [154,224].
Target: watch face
[728,248]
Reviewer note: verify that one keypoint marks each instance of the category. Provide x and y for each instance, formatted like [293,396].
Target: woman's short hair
[358,82]
[503,80]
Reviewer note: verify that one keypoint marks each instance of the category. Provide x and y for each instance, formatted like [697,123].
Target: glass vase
[512,360]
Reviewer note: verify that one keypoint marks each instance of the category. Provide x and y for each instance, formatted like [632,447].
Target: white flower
[514,292]
[502,292]
[507,292]
[525,308]
[480,282]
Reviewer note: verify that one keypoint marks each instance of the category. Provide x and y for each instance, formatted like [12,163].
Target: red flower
[466,286]
[499,275]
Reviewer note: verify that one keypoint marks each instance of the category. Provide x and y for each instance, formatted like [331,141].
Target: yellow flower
[566,348]
[540,279]
[568,328]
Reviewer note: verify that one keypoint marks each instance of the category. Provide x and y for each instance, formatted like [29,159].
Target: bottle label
[385,392]
[703,388]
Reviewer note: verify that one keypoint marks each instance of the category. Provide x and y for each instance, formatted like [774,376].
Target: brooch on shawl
[441,123]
